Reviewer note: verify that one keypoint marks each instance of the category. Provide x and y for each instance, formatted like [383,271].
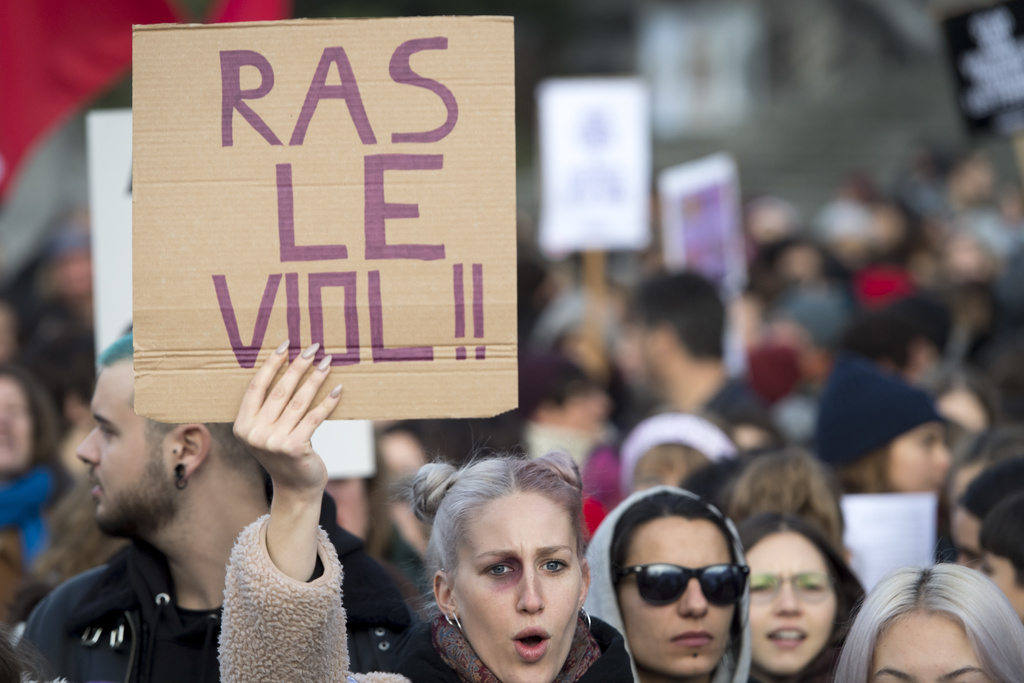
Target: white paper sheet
[888,531]
[109,144]
[347,448]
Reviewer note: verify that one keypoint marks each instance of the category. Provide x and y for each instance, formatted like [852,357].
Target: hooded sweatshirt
[602,600]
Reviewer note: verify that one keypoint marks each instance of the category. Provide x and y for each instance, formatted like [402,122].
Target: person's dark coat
[118,622]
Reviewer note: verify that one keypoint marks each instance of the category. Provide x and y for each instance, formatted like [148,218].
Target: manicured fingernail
[336,391]
[282,348]
[310,350]
[324,364]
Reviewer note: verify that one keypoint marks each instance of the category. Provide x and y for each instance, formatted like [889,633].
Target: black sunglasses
[661,584]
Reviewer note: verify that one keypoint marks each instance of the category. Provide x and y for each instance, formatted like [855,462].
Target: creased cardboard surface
[263,206]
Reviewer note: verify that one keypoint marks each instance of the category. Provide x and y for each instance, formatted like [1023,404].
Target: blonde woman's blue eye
[499,570]
[554,565]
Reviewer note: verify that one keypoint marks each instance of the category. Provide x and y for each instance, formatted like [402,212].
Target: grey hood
[602,601]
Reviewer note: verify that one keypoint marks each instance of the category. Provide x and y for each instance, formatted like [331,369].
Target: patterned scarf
[456,652]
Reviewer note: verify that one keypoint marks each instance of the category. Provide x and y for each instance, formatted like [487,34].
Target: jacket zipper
[134,648]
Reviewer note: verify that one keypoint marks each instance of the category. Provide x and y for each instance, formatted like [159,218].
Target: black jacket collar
[370,597]
[136,575]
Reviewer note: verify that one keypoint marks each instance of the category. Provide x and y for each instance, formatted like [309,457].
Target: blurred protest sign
[887,531]
[346,445]
[109,149]
[595,160]
[700,221]
[705,63]
[701,231]
[348,182]
[986,48]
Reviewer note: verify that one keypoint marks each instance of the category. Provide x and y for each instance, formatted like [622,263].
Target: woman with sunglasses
[802,595]
[667,570]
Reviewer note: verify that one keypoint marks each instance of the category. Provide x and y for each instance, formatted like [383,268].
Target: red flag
[55,54]
[226,11]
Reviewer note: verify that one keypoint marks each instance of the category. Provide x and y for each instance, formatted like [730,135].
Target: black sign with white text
[986,47]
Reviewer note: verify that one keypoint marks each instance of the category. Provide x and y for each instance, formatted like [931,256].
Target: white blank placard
[109,144]
[887,531]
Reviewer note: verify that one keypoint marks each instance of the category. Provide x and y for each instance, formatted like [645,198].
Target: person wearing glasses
[802,595]
[667,570]
[505,556]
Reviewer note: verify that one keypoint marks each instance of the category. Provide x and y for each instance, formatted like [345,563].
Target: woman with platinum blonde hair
[506,555]
[943,623]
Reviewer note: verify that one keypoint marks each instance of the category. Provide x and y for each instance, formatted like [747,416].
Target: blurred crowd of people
[878,347]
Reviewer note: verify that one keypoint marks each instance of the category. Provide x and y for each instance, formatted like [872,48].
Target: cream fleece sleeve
[276,629]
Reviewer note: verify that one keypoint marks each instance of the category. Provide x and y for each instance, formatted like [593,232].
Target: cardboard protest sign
[700,221]
[109,148]
[595,155]
[986,48]
[346,445]
[348,182]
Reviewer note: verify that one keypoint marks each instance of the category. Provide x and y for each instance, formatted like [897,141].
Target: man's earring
[180,482]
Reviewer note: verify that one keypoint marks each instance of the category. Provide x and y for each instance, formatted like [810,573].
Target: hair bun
[562,466]
[429,487]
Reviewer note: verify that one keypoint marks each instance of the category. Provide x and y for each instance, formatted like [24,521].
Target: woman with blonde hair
[941,623]
[506,555]
[790,481]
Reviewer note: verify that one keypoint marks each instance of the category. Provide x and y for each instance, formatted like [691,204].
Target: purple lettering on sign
[231,93]
[478,301]
[317,281]
[460,304]
[286,226]
[460,309]
[481,352]
[348,90]
[381,354]
[401,72]
[377,211]
[291,296]
[246,355]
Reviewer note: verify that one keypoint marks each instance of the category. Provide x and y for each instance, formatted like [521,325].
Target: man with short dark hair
[182,493]
[681,322]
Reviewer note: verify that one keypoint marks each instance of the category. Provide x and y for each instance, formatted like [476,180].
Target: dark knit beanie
[862,408]
[991,487]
